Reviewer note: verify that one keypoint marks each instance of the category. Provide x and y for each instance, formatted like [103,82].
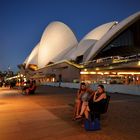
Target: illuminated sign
[119,61]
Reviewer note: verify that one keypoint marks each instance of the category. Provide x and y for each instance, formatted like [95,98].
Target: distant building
[108,54]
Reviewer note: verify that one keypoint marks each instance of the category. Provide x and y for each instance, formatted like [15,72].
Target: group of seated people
[88,100]
[29,88]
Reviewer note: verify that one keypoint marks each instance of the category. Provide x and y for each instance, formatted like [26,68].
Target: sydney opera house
[110,53]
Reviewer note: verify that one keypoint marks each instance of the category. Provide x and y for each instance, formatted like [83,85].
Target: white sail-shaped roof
[56,38]
[99,32]
[33,57]
[58,42]
[92,37]
[112,34]
[25,61]
[67,54]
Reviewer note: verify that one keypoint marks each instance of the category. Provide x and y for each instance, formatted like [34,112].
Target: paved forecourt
[47,115]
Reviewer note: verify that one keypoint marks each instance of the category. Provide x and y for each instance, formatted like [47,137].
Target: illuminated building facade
[108,54]
[117,59]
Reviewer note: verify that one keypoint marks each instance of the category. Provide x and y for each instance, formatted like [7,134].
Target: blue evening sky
[22,22]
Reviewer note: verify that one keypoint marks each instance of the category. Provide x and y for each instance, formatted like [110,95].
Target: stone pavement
[47,116]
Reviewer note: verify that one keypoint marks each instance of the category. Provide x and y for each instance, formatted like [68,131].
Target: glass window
[125,44]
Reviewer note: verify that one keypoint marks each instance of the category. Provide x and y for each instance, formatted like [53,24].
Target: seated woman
[31,88]
[85,97]
[95,103]
[78,100]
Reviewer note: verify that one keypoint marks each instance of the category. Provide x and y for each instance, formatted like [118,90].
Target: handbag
[92,125]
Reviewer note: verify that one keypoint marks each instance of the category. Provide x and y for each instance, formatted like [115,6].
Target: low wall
[113,88]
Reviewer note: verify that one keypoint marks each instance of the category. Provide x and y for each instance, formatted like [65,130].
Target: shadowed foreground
[47,115]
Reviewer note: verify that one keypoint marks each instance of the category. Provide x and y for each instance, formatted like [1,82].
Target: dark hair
[81,84]
[102,87]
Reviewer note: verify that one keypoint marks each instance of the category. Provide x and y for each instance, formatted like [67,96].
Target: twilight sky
[22,22]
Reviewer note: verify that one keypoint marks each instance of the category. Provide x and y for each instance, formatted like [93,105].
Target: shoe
[73,119]
[78,117]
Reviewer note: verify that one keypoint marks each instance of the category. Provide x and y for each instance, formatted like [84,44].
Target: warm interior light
[132,73]
[32,67]
[113,72]
[84,72]
[97,69]
[92,72]
[87,72]
[106,72]
[53,79]
[110,67]
[100,73]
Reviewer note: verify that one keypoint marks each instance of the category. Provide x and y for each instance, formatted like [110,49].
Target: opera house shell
[86,44]
[33,57]
[114,32]
[56,38]
[59,44]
